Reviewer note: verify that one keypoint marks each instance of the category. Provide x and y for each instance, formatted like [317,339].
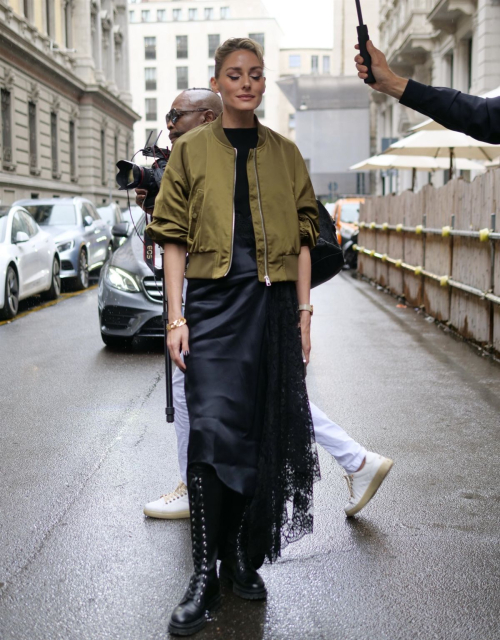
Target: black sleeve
[477,117]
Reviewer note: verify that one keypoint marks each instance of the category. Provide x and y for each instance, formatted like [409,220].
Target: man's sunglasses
[174,115]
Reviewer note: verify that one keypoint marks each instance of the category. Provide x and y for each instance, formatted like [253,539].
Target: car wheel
[116,342]
[11,301]
[82,279]
[55,286]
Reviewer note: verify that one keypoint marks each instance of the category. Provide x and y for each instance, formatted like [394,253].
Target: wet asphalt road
[84,444]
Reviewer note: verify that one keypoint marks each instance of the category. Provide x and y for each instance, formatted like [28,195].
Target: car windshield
[52,215]
[350,212]
[4,213]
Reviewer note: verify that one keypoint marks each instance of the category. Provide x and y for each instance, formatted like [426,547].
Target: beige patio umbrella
[420,163]
[415,163]
[444,144]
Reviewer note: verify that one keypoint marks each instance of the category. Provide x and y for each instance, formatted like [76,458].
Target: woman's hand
[177,344]
[305,332]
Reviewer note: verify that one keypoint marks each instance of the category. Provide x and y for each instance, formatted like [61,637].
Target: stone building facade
[172,48]
[66,114]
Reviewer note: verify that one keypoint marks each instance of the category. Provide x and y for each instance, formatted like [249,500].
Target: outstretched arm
[474,116]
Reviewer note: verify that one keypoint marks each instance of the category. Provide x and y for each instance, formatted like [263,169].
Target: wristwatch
[306,307]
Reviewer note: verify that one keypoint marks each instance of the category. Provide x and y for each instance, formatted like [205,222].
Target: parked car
[129,296]
[82,238]
[112,214]
[29,261]
[346,217]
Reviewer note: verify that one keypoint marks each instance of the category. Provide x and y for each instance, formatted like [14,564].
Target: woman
[237,198]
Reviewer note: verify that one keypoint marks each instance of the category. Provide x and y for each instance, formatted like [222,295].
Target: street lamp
[303,106]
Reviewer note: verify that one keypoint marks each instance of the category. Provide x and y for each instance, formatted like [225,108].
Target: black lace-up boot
[238,569]
[203,593]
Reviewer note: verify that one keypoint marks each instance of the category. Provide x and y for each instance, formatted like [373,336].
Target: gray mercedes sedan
[82,238]
[130,297]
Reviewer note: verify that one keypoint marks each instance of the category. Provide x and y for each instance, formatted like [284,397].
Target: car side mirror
[21,236]
[88,220]
[120,230]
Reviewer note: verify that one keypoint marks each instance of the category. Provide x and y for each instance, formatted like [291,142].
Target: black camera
[132,176]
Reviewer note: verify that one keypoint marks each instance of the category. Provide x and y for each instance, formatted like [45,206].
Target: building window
[192,14]
[176,15]
[211,73]
[32,136]
[103,156]
[150,77]
[291,121]
[150,108]
[182,78]
[360,183]
[151,135]
[150,48]
[53,144]
[116,149]
[181,46]
[161,15]
[127,148]
[314,64]
[213,43]
[72,149]
[258,37]
[28,9]
[6,127]
[209,13]
[326,64]
[68,24]
[225,13]
[146,16]
[294,61]
[260,112]
[49,17]
[469,64]
[131,16]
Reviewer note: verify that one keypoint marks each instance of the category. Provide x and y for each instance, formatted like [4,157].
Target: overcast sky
[304,24]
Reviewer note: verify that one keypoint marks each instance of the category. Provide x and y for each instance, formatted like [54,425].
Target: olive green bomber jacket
[195,205]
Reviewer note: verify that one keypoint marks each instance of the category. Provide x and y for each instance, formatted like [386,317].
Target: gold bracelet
[176,323]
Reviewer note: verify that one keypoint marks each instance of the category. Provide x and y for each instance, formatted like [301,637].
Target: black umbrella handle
[363,38]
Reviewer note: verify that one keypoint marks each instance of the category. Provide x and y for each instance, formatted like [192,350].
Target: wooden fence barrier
[440,249]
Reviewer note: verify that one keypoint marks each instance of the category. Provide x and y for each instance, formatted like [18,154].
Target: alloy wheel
[83,270]
[12,291]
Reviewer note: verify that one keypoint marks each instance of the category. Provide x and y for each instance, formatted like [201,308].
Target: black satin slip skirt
[225,371]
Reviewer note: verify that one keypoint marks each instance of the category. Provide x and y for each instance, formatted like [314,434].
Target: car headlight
[122,280]
[65,246]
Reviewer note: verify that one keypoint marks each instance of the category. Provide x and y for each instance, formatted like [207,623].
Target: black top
[474,116]
[242,140]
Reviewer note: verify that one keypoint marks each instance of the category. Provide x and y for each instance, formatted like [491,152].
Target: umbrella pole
[452,155]
[413,178]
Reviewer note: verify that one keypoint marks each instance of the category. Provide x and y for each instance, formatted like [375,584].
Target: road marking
[46,305]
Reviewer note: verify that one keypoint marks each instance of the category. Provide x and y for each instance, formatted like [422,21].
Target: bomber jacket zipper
[232,233]
[266,277]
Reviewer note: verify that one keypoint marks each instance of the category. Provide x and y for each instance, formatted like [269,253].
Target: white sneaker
[363,484]
[171,506]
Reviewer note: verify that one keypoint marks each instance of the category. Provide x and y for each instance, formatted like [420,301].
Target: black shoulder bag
[327,257]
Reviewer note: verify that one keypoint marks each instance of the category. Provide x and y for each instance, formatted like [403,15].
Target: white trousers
[346,451]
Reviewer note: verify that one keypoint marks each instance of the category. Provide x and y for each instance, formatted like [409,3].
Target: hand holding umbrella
[363,38]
